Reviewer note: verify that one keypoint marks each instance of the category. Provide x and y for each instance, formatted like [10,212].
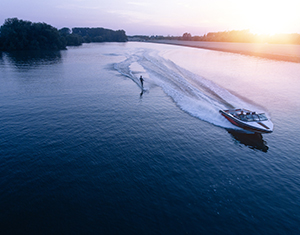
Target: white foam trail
[192,93]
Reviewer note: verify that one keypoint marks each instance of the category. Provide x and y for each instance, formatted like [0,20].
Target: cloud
[69,6]
[140,4]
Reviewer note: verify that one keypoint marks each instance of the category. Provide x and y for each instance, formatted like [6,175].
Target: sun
[271,17]
[267,25]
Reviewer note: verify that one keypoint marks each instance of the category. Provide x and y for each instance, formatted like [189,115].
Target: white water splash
[192,93]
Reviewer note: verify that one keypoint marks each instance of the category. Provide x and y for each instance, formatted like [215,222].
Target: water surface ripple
[84,150]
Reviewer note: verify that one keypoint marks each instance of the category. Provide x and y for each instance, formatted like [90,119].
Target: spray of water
[192,93]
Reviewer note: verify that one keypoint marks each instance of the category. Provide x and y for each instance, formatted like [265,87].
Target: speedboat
[248,120]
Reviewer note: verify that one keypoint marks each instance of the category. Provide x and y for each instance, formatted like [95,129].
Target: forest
[77,36]
[18,35]
[243,36]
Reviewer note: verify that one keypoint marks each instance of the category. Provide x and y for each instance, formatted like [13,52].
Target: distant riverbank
[284,52]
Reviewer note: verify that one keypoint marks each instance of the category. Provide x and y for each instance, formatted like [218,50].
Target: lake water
[84,151]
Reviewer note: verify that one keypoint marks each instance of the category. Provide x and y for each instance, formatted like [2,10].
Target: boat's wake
[192,93]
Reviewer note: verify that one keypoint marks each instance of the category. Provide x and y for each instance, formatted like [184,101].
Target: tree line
[238,36]
[77,36]
[18,34]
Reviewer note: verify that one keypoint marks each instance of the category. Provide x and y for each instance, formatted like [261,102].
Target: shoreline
[281,52]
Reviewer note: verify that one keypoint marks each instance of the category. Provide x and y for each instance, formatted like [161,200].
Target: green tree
[187,37]
[100,35]
[64,31]
[18,34]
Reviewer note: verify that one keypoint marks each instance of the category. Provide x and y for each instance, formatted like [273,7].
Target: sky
[161,17]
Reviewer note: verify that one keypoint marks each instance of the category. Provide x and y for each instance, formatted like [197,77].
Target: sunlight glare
[270,17]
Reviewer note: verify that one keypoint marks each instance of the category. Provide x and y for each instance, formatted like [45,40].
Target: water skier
[142,81]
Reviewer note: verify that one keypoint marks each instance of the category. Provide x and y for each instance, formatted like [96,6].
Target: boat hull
[256,126]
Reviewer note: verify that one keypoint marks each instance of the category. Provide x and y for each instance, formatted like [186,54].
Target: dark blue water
[83,151]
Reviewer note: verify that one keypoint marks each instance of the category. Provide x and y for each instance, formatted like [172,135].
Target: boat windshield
[262,117]
[251,117]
